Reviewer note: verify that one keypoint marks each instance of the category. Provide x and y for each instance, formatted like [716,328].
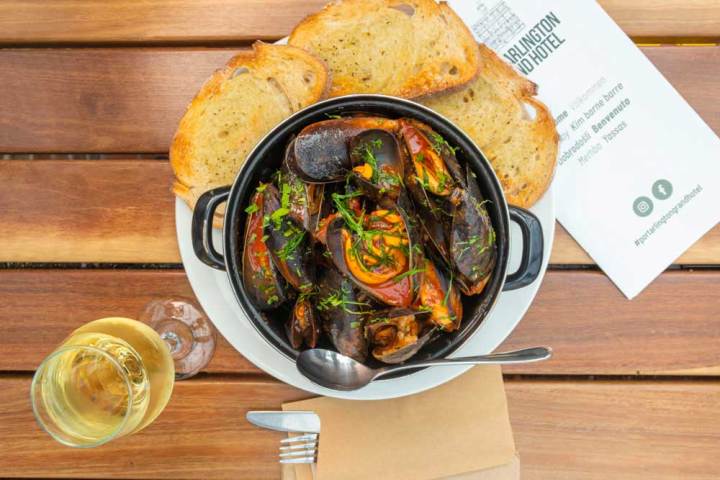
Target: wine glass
[110,378]
[186,330]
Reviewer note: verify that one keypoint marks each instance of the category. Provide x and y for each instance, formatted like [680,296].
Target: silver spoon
[334,370]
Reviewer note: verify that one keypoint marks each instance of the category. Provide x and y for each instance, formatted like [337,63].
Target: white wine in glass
[109,378]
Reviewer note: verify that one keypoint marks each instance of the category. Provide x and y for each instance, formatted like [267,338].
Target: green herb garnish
[409,273]
[439,142]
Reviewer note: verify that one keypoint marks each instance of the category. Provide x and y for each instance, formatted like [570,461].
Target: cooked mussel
[288,242]
[452,207]
[303,327]
[377,164]
[439,296]
[305,199]
[433,164]
[262,281]
[396,335]
[473,250]
[320,153]
[343,312]
[431,179]
[374,251]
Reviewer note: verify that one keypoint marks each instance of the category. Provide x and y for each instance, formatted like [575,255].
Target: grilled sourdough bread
[235,108]
[405,48]
[494,111]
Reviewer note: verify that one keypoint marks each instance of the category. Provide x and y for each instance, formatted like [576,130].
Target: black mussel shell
[289,244]
[396,335]
[433,211]
[343,314]
[303,327]
[473,247]
[321,149]
[261,279]
[305,198]
[378,164]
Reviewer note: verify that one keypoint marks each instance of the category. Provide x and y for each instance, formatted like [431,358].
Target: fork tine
[298,460]
[304,446]
[303,453]
[302,438]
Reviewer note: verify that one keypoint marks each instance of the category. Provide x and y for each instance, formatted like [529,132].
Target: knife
[297,422]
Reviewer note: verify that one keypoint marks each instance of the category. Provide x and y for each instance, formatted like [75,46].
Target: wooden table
[91,94]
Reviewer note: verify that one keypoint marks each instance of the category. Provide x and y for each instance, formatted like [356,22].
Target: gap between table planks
[131,99]
[206,21]
[122,211]
[672,326]
[563,430]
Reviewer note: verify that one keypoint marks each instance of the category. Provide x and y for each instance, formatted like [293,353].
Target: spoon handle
[526,355]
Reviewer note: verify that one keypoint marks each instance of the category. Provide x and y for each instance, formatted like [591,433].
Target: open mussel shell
[396,335]
[377,163]
[343,312]
[303,327]
[473,249]
[320,153]
[261,279]
[439,297]
[288,243]
[305,198]
[438,144]
[391,282]
[433,210]
[432,165]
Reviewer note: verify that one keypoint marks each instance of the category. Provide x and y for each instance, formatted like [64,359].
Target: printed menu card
[638,175]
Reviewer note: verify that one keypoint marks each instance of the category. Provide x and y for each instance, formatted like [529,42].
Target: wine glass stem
[172,340]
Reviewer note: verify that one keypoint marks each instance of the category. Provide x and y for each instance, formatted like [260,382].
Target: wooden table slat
[115,221]
[671,328]
[127,21]
[565,429]
[131,99]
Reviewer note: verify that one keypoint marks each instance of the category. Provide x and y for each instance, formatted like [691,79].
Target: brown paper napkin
[459,428]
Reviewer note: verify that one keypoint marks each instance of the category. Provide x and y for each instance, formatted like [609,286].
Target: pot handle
[533,246]
[202,226]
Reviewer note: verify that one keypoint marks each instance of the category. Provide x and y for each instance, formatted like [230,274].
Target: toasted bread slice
[494,110]
[235,108]
[405,48]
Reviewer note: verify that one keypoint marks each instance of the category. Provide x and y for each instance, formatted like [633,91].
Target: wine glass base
[186,330]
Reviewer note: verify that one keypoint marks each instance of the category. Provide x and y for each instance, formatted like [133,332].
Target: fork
[301,449]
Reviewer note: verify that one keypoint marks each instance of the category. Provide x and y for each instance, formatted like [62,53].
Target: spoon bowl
[336,371]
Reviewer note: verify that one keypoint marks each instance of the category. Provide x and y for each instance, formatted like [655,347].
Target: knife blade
[296,422]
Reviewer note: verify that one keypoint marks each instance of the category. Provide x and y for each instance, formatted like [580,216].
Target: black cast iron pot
[267,157]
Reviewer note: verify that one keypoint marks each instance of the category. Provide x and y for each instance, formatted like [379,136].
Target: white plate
[213,290]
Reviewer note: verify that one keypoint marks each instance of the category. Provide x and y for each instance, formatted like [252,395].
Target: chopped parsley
[284,209]
[288,250]
[338,299]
